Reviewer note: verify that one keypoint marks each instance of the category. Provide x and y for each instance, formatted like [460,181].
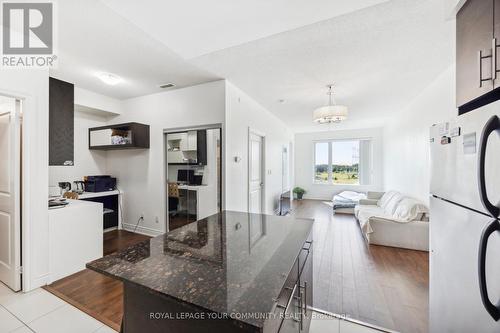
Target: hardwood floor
[95,294]
[117,240]
[384,286]
[180,220]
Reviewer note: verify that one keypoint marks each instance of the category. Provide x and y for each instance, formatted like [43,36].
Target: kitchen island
[229,272]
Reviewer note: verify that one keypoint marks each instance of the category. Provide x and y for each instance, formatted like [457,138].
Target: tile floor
[325,324]
[41,312]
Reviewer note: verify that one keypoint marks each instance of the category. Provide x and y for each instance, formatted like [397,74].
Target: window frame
[330,159]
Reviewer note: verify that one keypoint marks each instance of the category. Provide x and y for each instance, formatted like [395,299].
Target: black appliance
[100,183]
[185,176]
[197,180]
[65,187]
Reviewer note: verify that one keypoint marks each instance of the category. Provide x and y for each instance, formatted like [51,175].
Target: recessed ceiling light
[109,78]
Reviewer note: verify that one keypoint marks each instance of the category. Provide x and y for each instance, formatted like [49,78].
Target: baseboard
[316,198]
[141,230]
[38,282]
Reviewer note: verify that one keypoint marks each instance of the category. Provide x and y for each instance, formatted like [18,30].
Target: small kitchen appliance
[100,183]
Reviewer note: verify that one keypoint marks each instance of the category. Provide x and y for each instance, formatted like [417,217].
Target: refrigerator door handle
[493,310]
[492,125]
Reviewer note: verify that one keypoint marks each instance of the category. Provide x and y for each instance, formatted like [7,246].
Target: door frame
[21,103]
[222,191]
[262,166]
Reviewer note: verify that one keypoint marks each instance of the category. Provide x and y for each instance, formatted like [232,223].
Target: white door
[255,173]
[10,181]
[285,168]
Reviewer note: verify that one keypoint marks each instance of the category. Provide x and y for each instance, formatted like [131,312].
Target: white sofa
[393,219]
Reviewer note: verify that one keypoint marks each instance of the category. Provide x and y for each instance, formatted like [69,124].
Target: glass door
[193,173]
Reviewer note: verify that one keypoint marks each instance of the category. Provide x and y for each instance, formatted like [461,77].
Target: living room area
[371,222]
[332,117]
[366,182]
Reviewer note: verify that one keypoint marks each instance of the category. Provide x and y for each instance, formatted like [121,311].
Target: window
[343,162]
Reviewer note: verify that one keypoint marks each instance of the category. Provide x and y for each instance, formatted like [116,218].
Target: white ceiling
[197,27]
[379,57]
[92,38]
[380,54]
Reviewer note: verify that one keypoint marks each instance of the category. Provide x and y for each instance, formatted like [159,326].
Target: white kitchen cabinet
[175,157]
[76,237]
[192,140]
[187,141]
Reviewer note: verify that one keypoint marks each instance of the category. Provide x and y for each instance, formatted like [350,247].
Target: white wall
[243,112]
[33,86]
[86,162]
[406,137]
[141,173]
[304,162]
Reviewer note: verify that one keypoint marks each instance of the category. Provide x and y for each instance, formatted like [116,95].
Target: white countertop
[192,187]
[74,204]
[87,195]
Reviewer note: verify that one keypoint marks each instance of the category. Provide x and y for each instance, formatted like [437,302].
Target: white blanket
[349,196]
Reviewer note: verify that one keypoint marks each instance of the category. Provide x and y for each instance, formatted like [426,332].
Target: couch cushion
[409,209]
[364,212]
[393,203]
[385,198]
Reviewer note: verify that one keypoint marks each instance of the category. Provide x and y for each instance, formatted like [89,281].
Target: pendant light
[332,113]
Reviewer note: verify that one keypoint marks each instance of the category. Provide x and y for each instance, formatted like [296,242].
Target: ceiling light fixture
[109,78]
[332,113]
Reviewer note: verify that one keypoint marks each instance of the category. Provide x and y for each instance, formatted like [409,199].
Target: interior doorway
[10,191]
[193,169]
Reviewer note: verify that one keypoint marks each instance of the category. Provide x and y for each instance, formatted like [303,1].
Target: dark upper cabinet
[474,39]
[496,35]
[61,122]
[201,144]
[119,136]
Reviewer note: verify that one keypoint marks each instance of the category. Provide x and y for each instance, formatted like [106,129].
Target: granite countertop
[228,263]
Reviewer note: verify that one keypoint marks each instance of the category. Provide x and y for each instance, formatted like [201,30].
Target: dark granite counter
[229,263]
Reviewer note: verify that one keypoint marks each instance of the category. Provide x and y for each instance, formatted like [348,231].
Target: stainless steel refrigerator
[464,226]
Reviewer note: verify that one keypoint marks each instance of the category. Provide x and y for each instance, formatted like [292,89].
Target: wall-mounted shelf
[95,112]
[119,136]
